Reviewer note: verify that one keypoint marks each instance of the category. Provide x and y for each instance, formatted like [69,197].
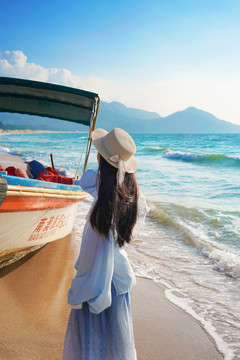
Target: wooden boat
[35,212]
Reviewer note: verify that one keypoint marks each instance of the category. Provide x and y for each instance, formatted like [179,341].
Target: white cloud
[14,64]
[218,97]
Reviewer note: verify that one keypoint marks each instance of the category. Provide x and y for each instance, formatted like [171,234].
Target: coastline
[164,331]
[28,131]
[34,309]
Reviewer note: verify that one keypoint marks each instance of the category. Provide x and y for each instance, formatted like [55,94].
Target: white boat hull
[33,229]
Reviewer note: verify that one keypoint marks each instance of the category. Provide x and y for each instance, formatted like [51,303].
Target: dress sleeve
[88,182]
[92,283]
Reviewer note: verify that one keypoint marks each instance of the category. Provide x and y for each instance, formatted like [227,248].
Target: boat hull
[32,229]
[25,198]
[30,217]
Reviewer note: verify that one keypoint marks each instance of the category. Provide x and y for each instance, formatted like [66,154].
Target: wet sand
[34,312]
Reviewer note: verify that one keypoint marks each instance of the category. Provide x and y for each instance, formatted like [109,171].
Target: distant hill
[21,121]
[122,110]
[193,120]
[190,120]
[115,114]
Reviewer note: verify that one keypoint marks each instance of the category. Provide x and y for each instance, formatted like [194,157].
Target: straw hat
[116,147]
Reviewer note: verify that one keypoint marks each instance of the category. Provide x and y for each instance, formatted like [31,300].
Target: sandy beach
[34,312]
[12,160]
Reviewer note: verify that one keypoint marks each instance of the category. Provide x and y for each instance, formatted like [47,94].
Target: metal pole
[92,127]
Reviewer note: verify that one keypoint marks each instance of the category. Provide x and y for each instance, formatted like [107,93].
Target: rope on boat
[89,138]
[92,127]
[80,158]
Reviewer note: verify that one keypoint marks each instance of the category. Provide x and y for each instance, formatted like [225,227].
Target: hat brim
[97,139]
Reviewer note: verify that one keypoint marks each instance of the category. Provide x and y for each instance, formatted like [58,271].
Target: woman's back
[116,206]
[100,323]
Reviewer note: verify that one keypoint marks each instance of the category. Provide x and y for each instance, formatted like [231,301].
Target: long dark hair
[116,207]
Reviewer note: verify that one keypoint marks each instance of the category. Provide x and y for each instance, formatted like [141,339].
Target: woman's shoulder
[88,181]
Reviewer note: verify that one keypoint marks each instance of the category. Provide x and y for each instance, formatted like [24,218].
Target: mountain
[190,120]
[194,121]
[22,121]
[115,114]
[122,110]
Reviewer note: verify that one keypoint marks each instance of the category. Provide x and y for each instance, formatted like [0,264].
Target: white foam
[155,148]
[187,156]
[4,149]
[220,256]
[224,261]
[185,304]
[194,234]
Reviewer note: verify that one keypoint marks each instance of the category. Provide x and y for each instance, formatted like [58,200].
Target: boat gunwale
[14,190]
[39,184]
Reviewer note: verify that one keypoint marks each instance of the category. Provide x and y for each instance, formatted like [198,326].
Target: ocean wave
[155,150]
[203,158]
[4,149]
[190,225]
[224,261]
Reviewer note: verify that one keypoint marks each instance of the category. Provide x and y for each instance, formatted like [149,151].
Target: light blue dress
[100,322]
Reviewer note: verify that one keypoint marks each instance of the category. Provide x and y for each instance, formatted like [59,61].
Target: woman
[100,323]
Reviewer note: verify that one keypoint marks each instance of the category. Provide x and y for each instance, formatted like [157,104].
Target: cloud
[217,97]
[14,64]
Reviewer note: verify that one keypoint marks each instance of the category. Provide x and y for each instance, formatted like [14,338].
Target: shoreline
[171,333]
[35,313]
[28,131]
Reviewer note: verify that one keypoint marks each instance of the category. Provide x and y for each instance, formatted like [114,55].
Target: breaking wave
[185,223]
[210,159]
[4,149]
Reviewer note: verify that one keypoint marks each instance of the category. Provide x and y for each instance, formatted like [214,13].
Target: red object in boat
[50,174]
[11,170]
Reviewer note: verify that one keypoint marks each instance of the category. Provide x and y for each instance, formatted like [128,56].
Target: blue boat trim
[15,180]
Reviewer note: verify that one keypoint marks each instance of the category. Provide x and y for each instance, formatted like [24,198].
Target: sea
[190,241]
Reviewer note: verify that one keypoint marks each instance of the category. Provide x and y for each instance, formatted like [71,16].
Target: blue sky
[160,56]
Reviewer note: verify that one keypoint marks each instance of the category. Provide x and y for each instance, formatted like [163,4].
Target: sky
[156,55]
